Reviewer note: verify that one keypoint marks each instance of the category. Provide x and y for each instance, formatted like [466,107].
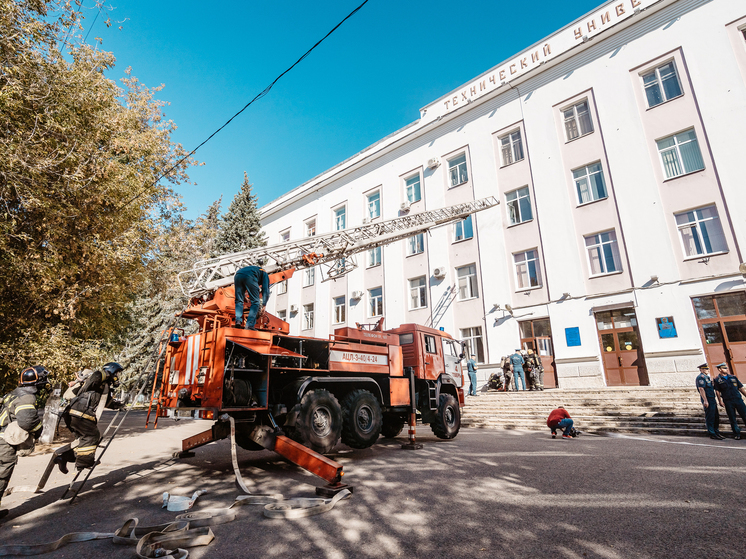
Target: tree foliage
[241,227]
[81,200]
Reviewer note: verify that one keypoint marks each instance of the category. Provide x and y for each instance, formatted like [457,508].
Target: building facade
[614,147]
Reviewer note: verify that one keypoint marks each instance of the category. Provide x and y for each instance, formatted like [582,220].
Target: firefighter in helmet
[83,412]
[20,422]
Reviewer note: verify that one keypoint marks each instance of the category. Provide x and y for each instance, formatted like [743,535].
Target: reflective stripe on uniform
[36,428]
[83,415]
[85,450]
[25,407]
[3,417]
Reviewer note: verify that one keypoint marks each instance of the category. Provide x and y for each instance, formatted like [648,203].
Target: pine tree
[241,227]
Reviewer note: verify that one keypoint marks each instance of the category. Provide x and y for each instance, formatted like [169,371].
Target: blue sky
[367,80]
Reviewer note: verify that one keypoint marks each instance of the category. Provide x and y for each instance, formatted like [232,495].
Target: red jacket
[556,416]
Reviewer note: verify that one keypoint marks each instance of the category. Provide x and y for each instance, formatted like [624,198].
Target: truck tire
[319,421]
[392,425]
[448,420]
[362,419]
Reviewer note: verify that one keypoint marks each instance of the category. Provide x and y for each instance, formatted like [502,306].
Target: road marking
[620,436]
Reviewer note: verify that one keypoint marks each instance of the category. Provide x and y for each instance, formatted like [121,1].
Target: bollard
[412,444]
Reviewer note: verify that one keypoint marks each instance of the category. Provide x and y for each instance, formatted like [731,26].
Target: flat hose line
[190,529]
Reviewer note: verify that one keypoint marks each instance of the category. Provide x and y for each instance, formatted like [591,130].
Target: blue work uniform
[471,367]
[517,360]
[728,386]
[712,417]
[250,279]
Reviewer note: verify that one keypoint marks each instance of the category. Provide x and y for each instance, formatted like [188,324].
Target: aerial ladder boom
[334,250]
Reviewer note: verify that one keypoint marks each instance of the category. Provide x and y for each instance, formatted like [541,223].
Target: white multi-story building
[615,148]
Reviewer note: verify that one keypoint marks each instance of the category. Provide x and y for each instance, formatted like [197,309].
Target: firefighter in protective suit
[20,422]
[82,414]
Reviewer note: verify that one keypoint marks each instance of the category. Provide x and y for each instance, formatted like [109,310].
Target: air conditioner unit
[439,272]
[366,220]
[405,206]
[356,295]
[293,308]
[433,163]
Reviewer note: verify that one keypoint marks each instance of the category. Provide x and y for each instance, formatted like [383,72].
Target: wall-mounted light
[654,278]
[566,295]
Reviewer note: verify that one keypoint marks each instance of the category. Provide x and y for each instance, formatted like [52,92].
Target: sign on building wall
[666,327]
[572,336]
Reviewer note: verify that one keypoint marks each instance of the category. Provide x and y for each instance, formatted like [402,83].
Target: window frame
[421,292]
[368,195]
[285,236]
[308,316]
[309,277]
[615,252]
[282,287]
[526,261]
[587,176]
[463,175]
[372,302]
[282,315]
[335,217]
[410,244]
[418,176]
[659,82]
[511,144]
[696,223]
[677,151]
[468,339]
[372,263]
[338,308]
[517,201]
[472,284]
[577,120]
[309,227]
[460,225]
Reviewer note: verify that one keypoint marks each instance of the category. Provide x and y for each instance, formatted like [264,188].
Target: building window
[339,310]
[463,230]
[589,182]
[309,276]
[511,148]
[374,205]
[467,282]
[374,257]
[603,253]
[527,272]
[416,244]
[519,205]
[285,236]
[282,287]
[577,121]
[457,170]
[376,301]
[413,189]
[473,339]
[308,316]
[311,228]
[417,293]
[680,154]
[662,84]
[701,232]
[282,315]
[340,221]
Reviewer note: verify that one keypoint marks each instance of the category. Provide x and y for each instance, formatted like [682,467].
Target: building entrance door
[537,335]
[722,325]
[621,350]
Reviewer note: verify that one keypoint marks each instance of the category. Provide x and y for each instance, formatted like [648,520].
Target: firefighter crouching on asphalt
[20,424]
[83,412]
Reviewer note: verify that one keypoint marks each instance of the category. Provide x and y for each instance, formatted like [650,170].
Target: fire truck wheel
[319,421]
[448,420]
[362,419]
[392,425]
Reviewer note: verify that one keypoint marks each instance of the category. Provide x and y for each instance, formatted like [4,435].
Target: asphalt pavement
[487,493]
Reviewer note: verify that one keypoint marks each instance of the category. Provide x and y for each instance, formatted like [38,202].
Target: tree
[241,228]
[81,196]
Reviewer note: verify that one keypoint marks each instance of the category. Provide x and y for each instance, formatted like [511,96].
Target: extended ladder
[333,249]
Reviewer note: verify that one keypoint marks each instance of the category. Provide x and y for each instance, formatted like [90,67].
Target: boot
[61,464]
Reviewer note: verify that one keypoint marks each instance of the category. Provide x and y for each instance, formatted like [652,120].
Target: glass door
[621,351]
[722,326]
[537,336]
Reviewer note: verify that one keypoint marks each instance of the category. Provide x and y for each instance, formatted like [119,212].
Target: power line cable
[259,96]
[92,24]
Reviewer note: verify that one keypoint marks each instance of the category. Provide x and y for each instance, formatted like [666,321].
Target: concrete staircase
[640,410]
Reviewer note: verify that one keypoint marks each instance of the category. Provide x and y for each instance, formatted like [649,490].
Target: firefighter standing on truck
[250,279]
[82,414]
[20,424]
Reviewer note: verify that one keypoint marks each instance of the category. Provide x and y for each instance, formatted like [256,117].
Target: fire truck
[296,395]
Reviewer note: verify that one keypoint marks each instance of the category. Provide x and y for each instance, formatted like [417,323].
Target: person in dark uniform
[707,396]
[250,279]
[729,394]
[537,370]
[19,419]
[507,372]
[82,414]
